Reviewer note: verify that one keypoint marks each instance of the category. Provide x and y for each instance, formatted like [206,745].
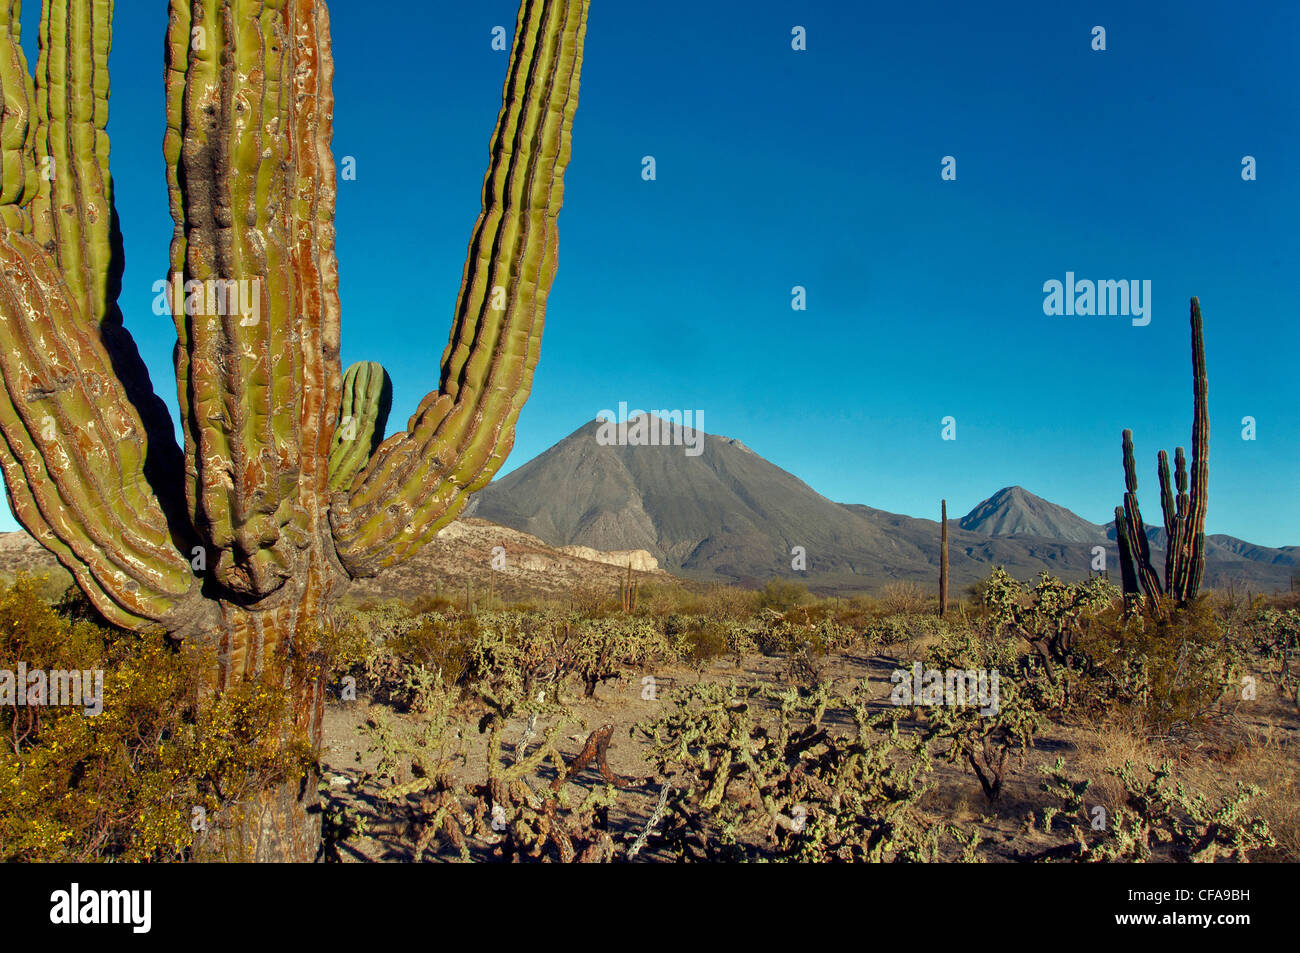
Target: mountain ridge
[730,515]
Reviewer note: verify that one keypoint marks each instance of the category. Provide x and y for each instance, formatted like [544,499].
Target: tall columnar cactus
[247,533]
[943,559]
[627,591]
[1184,513]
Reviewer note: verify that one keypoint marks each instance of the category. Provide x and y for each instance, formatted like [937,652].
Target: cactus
[244,536]
[367,399]
[1184,513]
[627,592]
[943,559]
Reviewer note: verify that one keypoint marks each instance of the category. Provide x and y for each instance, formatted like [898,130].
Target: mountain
[728,515]
[724,513]
[1014,511]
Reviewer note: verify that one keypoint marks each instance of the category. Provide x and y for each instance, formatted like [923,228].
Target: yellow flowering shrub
[140,780]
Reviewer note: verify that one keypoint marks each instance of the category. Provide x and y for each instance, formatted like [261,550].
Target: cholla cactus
[245,536]
[1159,819]
[759,774]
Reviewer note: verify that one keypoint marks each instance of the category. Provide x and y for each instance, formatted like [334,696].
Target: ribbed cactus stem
[1195,533]
[1135,529]
[1184,513]
[1168,509]
[85,440]
[363,414]
[19,166]
[943,558]
[253,193]
[1127,564]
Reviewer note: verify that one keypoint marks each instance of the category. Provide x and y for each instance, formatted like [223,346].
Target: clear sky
[821,168]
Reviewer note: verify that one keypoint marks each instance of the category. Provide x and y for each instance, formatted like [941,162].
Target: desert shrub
[1173,668]
[982,735]
[1159,818]
[898,629]
[351,646]
[730,603]
[664,598]
[1275,634]
[443,644]
[706,642]
[759,774]
[857,612]
[424,603]
[1172,665]
[782,595]
[602,649]
[127,784]
[902,597]
[1283,601]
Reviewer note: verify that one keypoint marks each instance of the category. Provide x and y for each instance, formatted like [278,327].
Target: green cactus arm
[81,452]
[1169,509]
[459,436]
[18,165]
[252,187]
[1194,533]
[1127,564]
[75,449]
[1139,545]
[73,213]
[363,415]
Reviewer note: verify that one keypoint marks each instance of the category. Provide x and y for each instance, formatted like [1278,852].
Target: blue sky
[821,168]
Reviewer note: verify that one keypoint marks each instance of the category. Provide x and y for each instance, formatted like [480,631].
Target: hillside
[729,515]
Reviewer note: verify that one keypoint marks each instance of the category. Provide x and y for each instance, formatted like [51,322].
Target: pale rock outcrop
[641,560]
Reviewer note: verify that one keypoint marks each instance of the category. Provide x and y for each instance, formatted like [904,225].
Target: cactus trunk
[943,559]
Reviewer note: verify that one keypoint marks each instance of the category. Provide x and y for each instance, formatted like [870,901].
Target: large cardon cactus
[1184,513]
[283,489]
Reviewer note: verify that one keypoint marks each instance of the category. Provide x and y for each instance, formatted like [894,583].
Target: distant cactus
[943,559]
[246,536]
[627,592]
[1184,514]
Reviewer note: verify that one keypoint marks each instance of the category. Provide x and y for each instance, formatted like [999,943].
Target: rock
[641,560]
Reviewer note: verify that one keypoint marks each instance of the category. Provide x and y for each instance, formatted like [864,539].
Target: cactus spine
[1183,512]
[943,559]
[282,512]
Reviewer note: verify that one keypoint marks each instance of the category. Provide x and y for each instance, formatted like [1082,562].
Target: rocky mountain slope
[729,515]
